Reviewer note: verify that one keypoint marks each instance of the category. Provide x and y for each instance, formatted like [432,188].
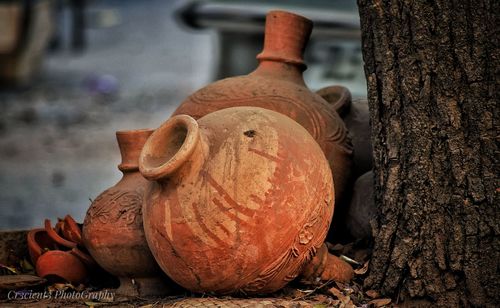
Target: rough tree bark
[433,69]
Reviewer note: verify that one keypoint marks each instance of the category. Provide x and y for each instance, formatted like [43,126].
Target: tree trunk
[432,69]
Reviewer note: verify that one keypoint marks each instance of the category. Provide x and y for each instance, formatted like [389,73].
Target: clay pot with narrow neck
[242,199]
[277,84]
[113,232]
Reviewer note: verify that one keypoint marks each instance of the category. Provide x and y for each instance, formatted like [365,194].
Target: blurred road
[57,144]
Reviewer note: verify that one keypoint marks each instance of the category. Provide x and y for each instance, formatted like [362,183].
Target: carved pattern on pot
[234,95]
[117,207]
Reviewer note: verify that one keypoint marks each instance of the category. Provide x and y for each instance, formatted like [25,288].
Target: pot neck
[280,70]
[286,37]
[175,150]
[130,143]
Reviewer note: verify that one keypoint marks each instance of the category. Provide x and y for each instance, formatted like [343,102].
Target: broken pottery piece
[51,263]
[277,84]
[242,199]
[113,230]
[71,230]
[38,242]
[58,265]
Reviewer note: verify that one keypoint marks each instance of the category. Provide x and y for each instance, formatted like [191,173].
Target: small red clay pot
[54,264]
[61,265]
[277,84]
[113,231]
[243,198]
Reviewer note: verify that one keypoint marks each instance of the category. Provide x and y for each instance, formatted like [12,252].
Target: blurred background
[73,72]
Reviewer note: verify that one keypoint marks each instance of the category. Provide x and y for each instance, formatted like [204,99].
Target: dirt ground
[57,137]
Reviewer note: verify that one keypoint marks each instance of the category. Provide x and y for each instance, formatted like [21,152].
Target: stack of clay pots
[236,191]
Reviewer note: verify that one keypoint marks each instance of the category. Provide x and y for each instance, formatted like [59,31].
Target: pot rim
[155,163]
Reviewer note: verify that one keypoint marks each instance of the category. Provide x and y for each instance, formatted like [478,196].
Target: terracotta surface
[38,242]
[58,265]
[71,230]
[243,199]
[277,84]
[52,263]
[113,231]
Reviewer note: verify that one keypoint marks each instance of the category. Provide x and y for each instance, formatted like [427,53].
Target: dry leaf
[26,266]
[320,298]
[338,294]
[60,287]
[372,294]
[347,302]
[349,260]
[334,302]
[93,304]
[363,269]
[10,269]
[349,305]
[341,285]
[380,302]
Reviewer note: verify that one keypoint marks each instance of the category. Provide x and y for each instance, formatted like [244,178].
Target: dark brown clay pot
[356,116]
[243,198]
[113,231]
[277,84]
[338,97]
[362,210]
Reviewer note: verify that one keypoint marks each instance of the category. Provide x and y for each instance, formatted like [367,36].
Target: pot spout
[169,147]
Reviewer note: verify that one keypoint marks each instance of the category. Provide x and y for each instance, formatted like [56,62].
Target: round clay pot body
[277,84]
[243,198]
[113,231]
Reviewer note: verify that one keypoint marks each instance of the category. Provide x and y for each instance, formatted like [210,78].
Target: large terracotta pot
[113,231]
[277,84]
[243,198]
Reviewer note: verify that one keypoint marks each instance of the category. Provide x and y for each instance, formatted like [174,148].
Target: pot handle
[338,97]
